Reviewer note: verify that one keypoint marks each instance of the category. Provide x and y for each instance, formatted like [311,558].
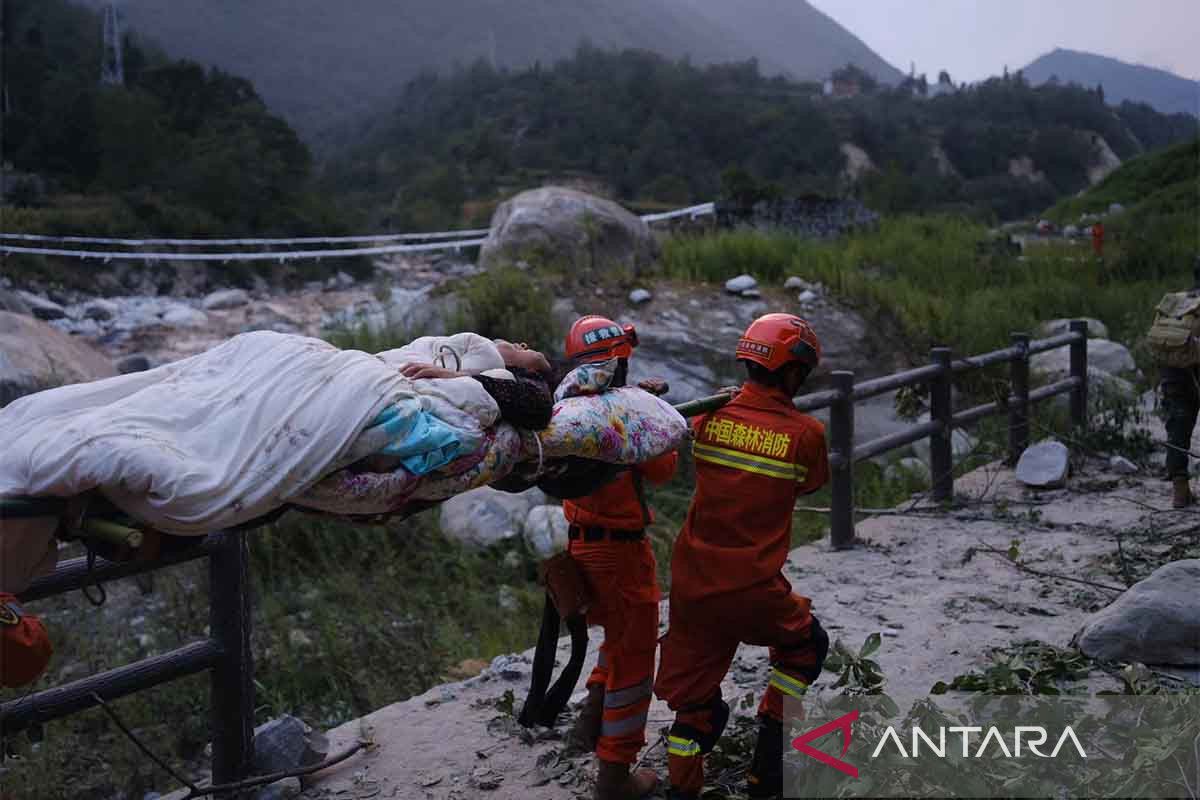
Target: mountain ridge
[1122,81]
[319,64]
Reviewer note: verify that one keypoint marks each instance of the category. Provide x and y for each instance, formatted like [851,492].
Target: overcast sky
[976,38]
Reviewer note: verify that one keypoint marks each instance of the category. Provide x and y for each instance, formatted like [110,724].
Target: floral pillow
[587,379]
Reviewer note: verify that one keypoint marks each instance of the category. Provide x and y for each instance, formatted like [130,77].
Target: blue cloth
[422,441]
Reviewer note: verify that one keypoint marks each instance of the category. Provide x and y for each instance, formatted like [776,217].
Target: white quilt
[217,439]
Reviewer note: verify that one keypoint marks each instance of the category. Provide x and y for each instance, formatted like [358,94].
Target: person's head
[594,339]
[779,351]
[521,356]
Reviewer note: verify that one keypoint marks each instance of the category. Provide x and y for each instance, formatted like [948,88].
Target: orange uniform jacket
[754,457]
[616,505]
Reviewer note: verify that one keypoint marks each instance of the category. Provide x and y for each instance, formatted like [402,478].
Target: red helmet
[595,339]
[774,340]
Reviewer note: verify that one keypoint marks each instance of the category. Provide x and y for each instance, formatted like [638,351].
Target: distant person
[754,457]
[1098,239]
[1174,338]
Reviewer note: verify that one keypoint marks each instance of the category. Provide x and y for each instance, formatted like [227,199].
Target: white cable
[288,256]
[457,236]
[381,237]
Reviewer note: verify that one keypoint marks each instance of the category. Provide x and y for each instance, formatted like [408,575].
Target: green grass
[345,620]
[1137,181]
[934,277]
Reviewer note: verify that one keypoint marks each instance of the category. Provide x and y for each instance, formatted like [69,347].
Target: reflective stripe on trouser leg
[781,685]
[794,669]
[623,725]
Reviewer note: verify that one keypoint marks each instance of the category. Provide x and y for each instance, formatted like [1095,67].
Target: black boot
[765,776]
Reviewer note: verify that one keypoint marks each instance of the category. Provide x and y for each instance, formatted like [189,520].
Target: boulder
[35,356]
[546,530]
[226,299]
[101,309]
[740,284]
[1122,466]
[1102,354]
[286,744]
[41,307]
[1044,465]
[962,444]
[1156,621]
[343,281]
[181,316]
[1095,328]
[796,282]
[807,296]
[752,294]
[135,362]
[560,224]
[1115,208]
[639,296]
[906,470]
[486,516]
[11,301]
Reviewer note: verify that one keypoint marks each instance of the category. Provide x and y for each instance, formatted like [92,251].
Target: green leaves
[857,674]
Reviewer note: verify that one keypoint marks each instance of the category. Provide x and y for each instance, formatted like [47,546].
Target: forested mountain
[652,129]
[178,148]
[1165,91]
[318,62]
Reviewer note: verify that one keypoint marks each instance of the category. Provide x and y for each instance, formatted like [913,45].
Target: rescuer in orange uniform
[754,457]
[608,540]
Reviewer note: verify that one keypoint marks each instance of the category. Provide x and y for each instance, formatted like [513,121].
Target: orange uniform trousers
[699,648]
[624,579]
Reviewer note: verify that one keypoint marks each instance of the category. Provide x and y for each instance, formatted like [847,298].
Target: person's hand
[418,371]
[654,386]
[732,391]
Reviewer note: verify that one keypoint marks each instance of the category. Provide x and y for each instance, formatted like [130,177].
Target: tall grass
[936,277]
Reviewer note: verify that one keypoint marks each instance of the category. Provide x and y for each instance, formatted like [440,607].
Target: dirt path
[920,580]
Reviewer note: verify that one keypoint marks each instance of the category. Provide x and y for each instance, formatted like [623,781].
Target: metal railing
[943,420]
[225,654]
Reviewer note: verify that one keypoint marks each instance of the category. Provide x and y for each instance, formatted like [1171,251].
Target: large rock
[1044,465]
[226,299]
[546,530]
[742,283]
[486,516]
[285,744]
[1157,621]
[1095,328]
[557,224]
[962,444]
[1102,354]
[907,470]
[181,316]
[35,356]
[11,301]
[41,307]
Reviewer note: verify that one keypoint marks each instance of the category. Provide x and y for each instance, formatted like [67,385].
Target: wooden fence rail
[225,654]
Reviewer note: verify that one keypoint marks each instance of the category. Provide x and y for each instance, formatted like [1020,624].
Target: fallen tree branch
[263,780]
[1023,567]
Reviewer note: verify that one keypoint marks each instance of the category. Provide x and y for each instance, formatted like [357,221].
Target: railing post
[233,677]
[1079,395]
[941,454]
[841,434]
[1018,400]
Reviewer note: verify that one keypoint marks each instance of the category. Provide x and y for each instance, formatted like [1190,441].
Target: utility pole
[112,70]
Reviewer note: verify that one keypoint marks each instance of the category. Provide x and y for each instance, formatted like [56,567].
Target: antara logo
[1031,736]
[1035,736]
